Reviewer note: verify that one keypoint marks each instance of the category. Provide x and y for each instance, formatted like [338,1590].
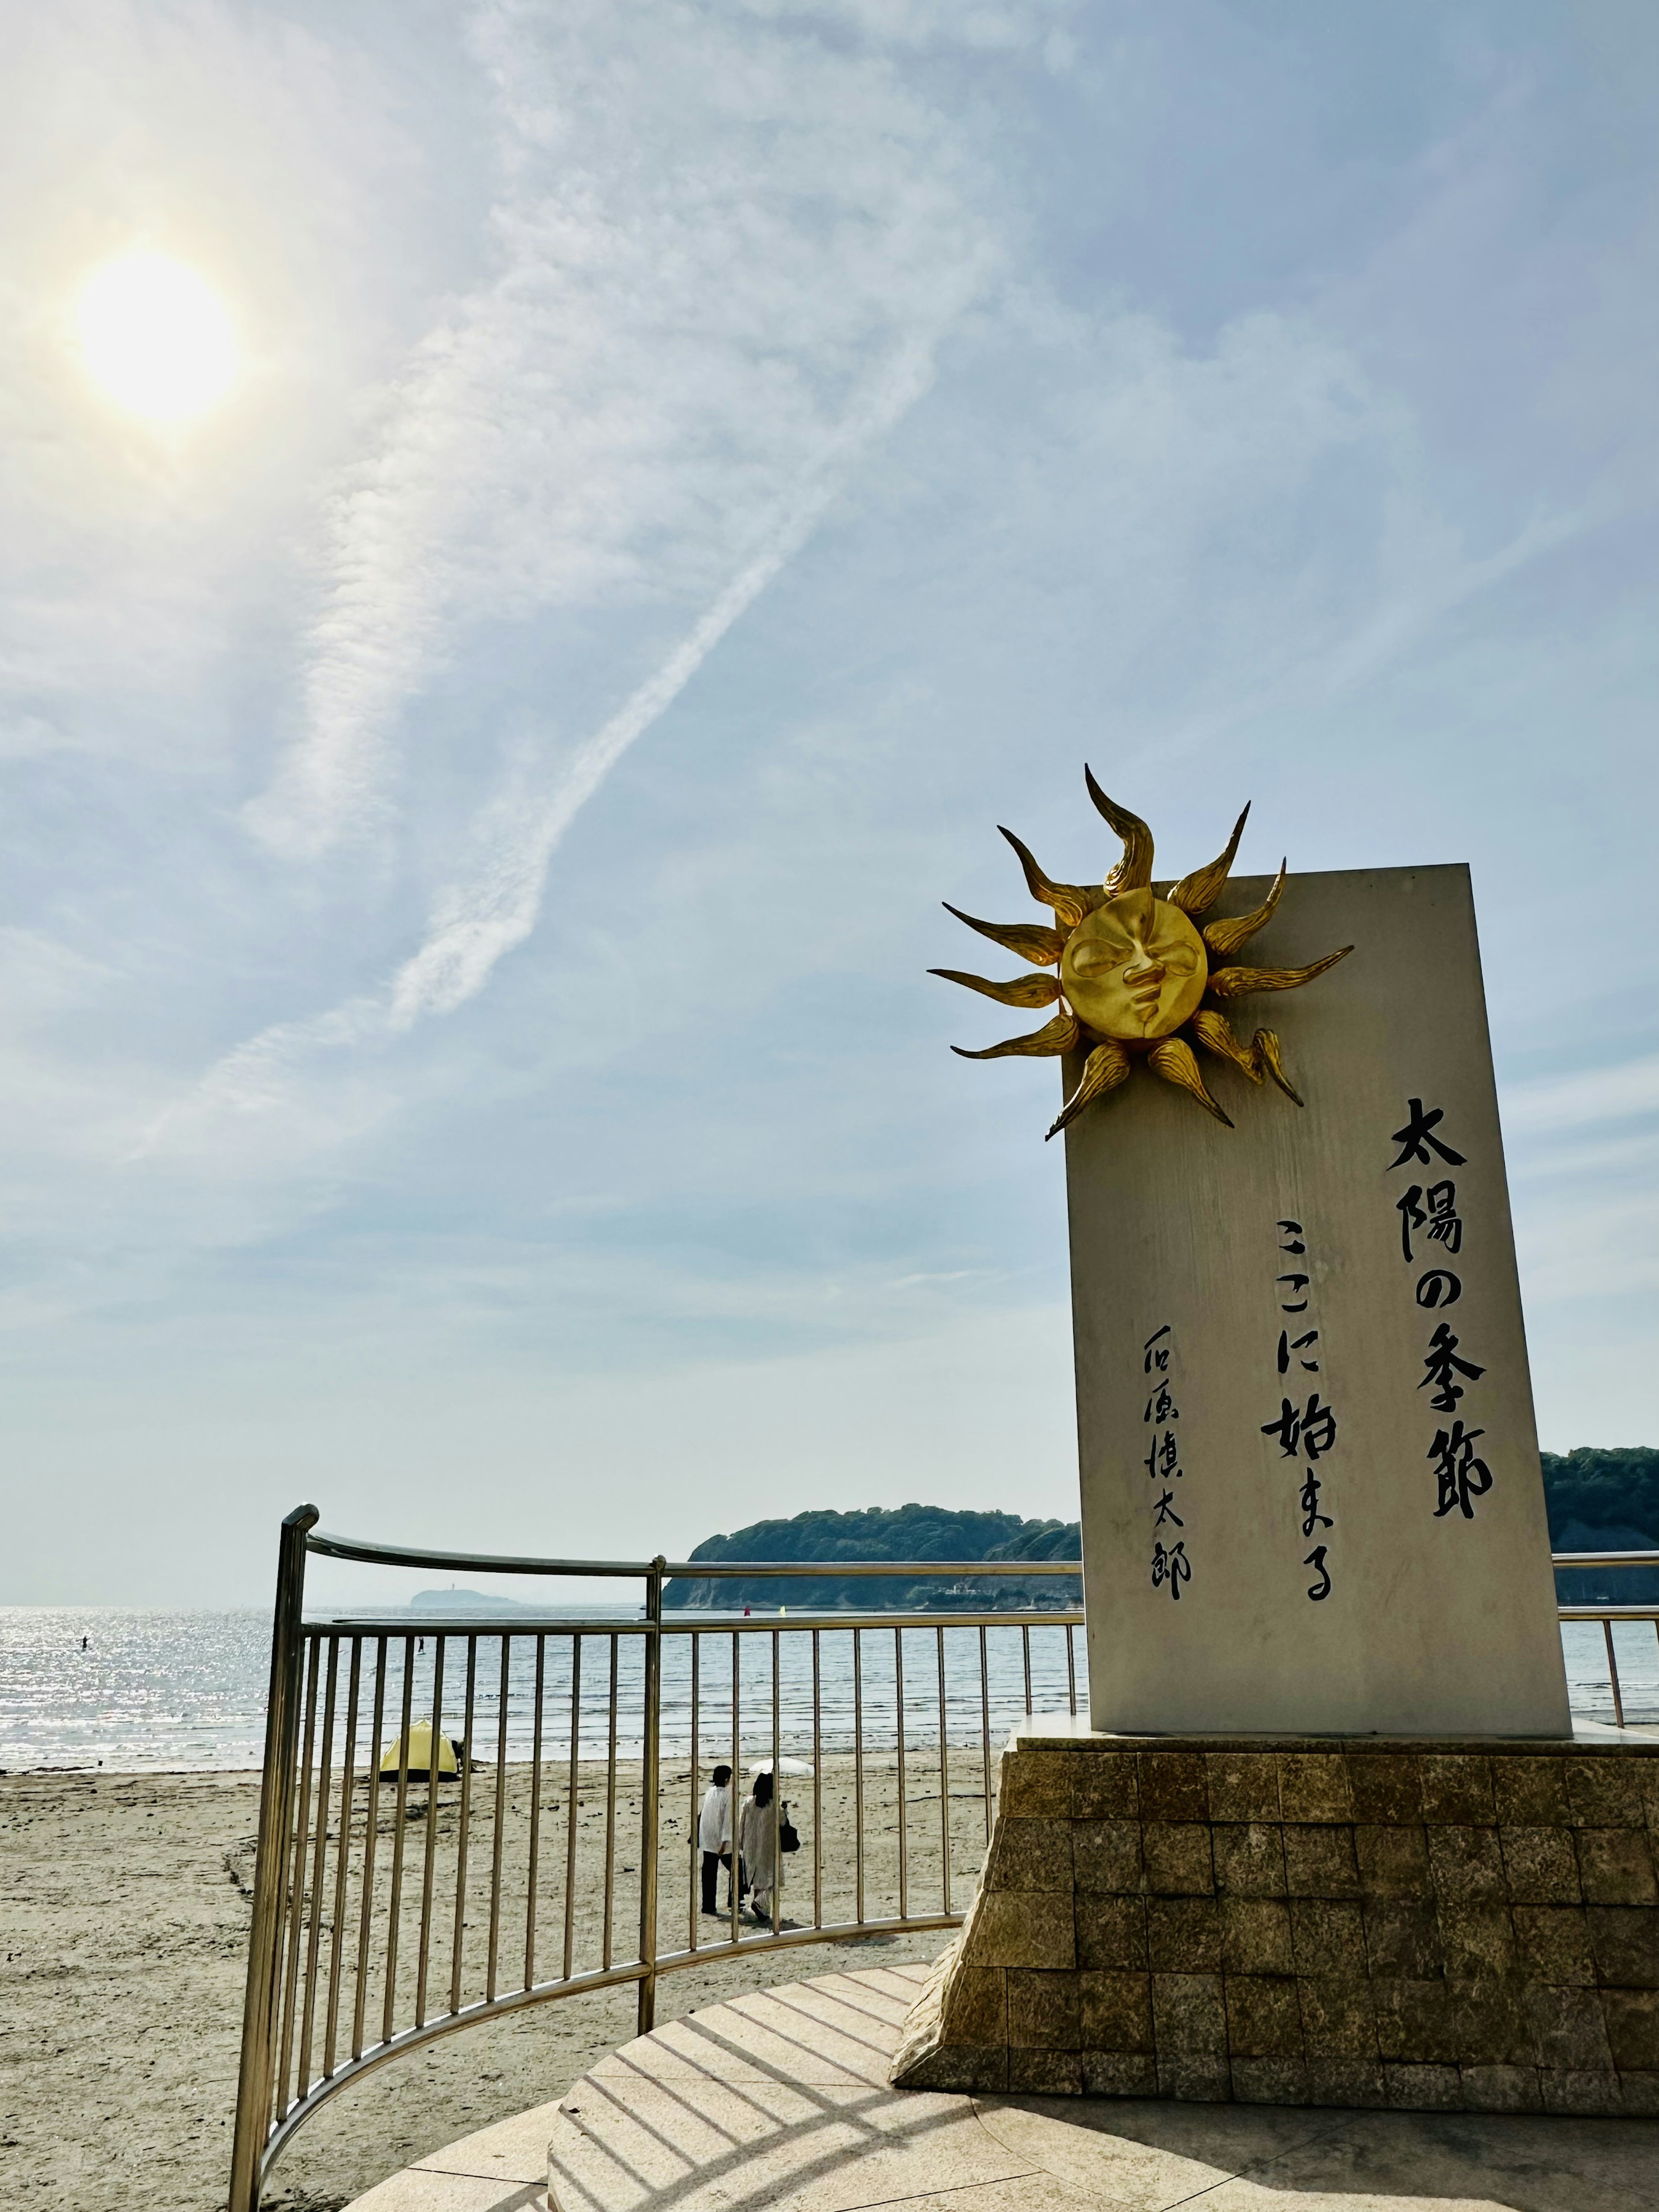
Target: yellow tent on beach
[420,1753]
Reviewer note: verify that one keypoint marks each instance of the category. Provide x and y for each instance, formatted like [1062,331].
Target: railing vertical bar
[464,1822]
[394,1906]
[817,1786]
[297,1889]
[943,1778]
[429,1859]
[289,1933]
[693,1902]
[611,1809]
[904,1814]
[308,2014]
[533,1860]
[343,1857]
[256,2087]
[1612,1675]
[985,1729]
[650,1794]
[736,1899]
[857,1771]
[571,1796]
[370,1848]
[1025,1647]
[501,1828]
[775,1902]
[1071,1670]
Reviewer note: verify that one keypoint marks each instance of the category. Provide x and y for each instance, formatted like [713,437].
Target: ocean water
[131,1690]
[163,1691]
[135,1691]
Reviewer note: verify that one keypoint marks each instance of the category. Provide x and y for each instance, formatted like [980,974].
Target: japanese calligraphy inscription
[1310,1431]
[1311,1494]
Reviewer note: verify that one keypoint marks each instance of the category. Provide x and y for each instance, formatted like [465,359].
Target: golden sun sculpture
[1136,980]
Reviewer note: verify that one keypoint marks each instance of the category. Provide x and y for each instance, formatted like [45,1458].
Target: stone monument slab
[1311,1494]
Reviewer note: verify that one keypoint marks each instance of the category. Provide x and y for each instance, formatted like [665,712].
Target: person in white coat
[715,1836]
[757,1844]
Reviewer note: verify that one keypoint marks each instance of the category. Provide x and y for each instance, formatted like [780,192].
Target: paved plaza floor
[780,2099]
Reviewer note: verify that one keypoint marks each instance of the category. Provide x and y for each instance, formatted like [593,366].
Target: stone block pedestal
[1458,1925]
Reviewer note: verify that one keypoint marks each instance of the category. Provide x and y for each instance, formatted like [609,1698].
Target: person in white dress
[757,1844]
[714,1838]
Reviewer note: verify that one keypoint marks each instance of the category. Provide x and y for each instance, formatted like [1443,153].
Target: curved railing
[392,1907]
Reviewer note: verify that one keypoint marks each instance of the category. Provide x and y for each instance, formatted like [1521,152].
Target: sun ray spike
[1265,1046]
[1038,990]
[1198,892]
[1239,982]
[1029,939]
[1070,902]
[1223,937]
[1106,1065]
[1173,1060]
[1134,870]
[1059,1035]
[1215,1033]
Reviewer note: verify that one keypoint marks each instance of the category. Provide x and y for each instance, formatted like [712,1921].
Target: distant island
[1599,1499]
[904,1531]
[464,1600]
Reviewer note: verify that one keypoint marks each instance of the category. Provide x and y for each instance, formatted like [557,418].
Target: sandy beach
[123,1917]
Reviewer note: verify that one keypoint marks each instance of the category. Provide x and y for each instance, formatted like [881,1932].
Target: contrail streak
[473,924]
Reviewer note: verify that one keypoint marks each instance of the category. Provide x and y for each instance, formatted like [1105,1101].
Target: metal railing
[395,1901]
[1609,1615]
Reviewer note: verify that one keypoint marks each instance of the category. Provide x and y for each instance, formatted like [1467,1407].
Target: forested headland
[1599,1499]
[903,1532]
[1604,1499]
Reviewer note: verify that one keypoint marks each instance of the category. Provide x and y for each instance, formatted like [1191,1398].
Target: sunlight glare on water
[151,1689]
[186,1689]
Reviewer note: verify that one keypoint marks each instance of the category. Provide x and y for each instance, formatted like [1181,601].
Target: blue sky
[477,798]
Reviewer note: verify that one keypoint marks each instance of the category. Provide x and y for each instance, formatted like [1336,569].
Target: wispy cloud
[671,348]
[673,376]
[494,908]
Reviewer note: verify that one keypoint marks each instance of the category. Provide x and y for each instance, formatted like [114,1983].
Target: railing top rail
[691,1622]
[401,1555]
[330,1546]
[695,1570]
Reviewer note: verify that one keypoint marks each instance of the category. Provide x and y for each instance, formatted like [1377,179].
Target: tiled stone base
[1439,1926]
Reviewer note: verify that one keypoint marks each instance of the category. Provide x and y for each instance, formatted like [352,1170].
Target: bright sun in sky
[156,337]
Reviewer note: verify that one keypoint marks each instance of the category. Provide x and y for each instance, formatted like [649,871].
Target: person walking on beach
[715,1836]
[757,1845]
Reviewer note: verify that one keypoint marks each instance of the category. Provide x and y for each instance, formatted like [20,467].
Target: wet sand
[124,1919]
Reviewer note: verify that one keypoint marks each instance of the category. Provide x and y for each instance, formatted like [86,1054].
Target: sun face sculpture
[1136,978]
